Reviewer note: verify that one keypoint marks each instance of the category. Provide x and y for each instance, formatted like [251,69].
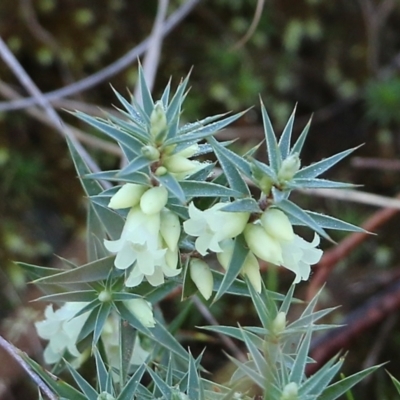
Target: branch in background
[31,87]
[108,72]
[14,353]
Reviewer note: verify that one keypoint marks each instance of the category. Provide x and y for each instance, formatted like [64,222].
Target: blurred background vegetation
[338,60]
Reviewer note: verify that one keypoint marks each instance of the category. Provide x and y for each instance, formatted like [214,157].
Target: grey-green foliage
[149,132]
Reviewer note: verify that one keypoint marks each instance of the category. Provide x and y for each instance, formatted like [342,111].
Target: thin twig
[14,353]
[253,26]
[228,342]
[31,87]
[92,141]
[108,72]
[152,56]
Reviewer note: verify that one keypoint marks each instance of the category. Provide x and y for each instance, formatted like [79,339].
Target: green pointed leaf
[260,305]
[337,389]
[101,373]
[287,302]
[137,164]
[90,187]
[102,315]
[194,126]
[243,205]
[173,186]
[112,221]
[286,137]
[165,95]
[229,166]
[249,372]
[127,338]
[94,236]
[193,389]
[240,252]
[274,154]
[315,183]
[298,146]
[61,388]
[293,210]
[266,169]
[318,168]
[328,222]
[163,337]
[206,189]
[316,384]
[133,321]
[36,271]
[133,128]
[205,131]
[113,131]
[133,384]
[147,100]
[301,359]
[256,355]
[91,272]
[396,383]
[86,388]
[81,295]
[164,389]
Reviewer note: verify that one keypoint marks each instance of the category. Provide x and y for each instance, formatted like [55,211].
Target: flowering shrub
[149,235]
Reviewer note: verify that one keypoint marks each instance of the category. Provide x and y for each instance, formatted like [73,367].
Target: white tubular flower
[127,196]
[142,310]
[62,330]
[264,246]
[299,255]
[170,228]
[154,200]
[250,267]
[201,275]
[140,244]
[277,224]
[212,226]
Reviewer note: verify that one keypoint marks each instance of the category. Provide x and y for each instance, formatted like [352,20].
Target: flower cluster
[149,239]
[271,238]
[62,328]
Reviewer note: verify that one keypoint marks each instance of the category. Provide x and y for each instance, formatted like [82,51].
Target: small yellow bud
[158,121]
[160,171]
[279,324]
[127,196]
[104,296]
[251,270]
[277,224]
[290,392]
[289,168]
[179,164]
[154,200]
[202,277]
[189,151]
[151,153]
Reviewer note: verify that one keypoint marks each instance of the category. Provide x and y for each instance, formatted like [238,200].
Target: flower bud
[142,310]
[179,164]
[251,270]
[201,275]
[160,171]
[189,151]
[289,167]
[158,121]
[263,245]
[290,392]
[105,396]
[170,228]
[279,324]
[127,196]
[277,224]
[171,258]
[154,200]
[151,153]
[104,296]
